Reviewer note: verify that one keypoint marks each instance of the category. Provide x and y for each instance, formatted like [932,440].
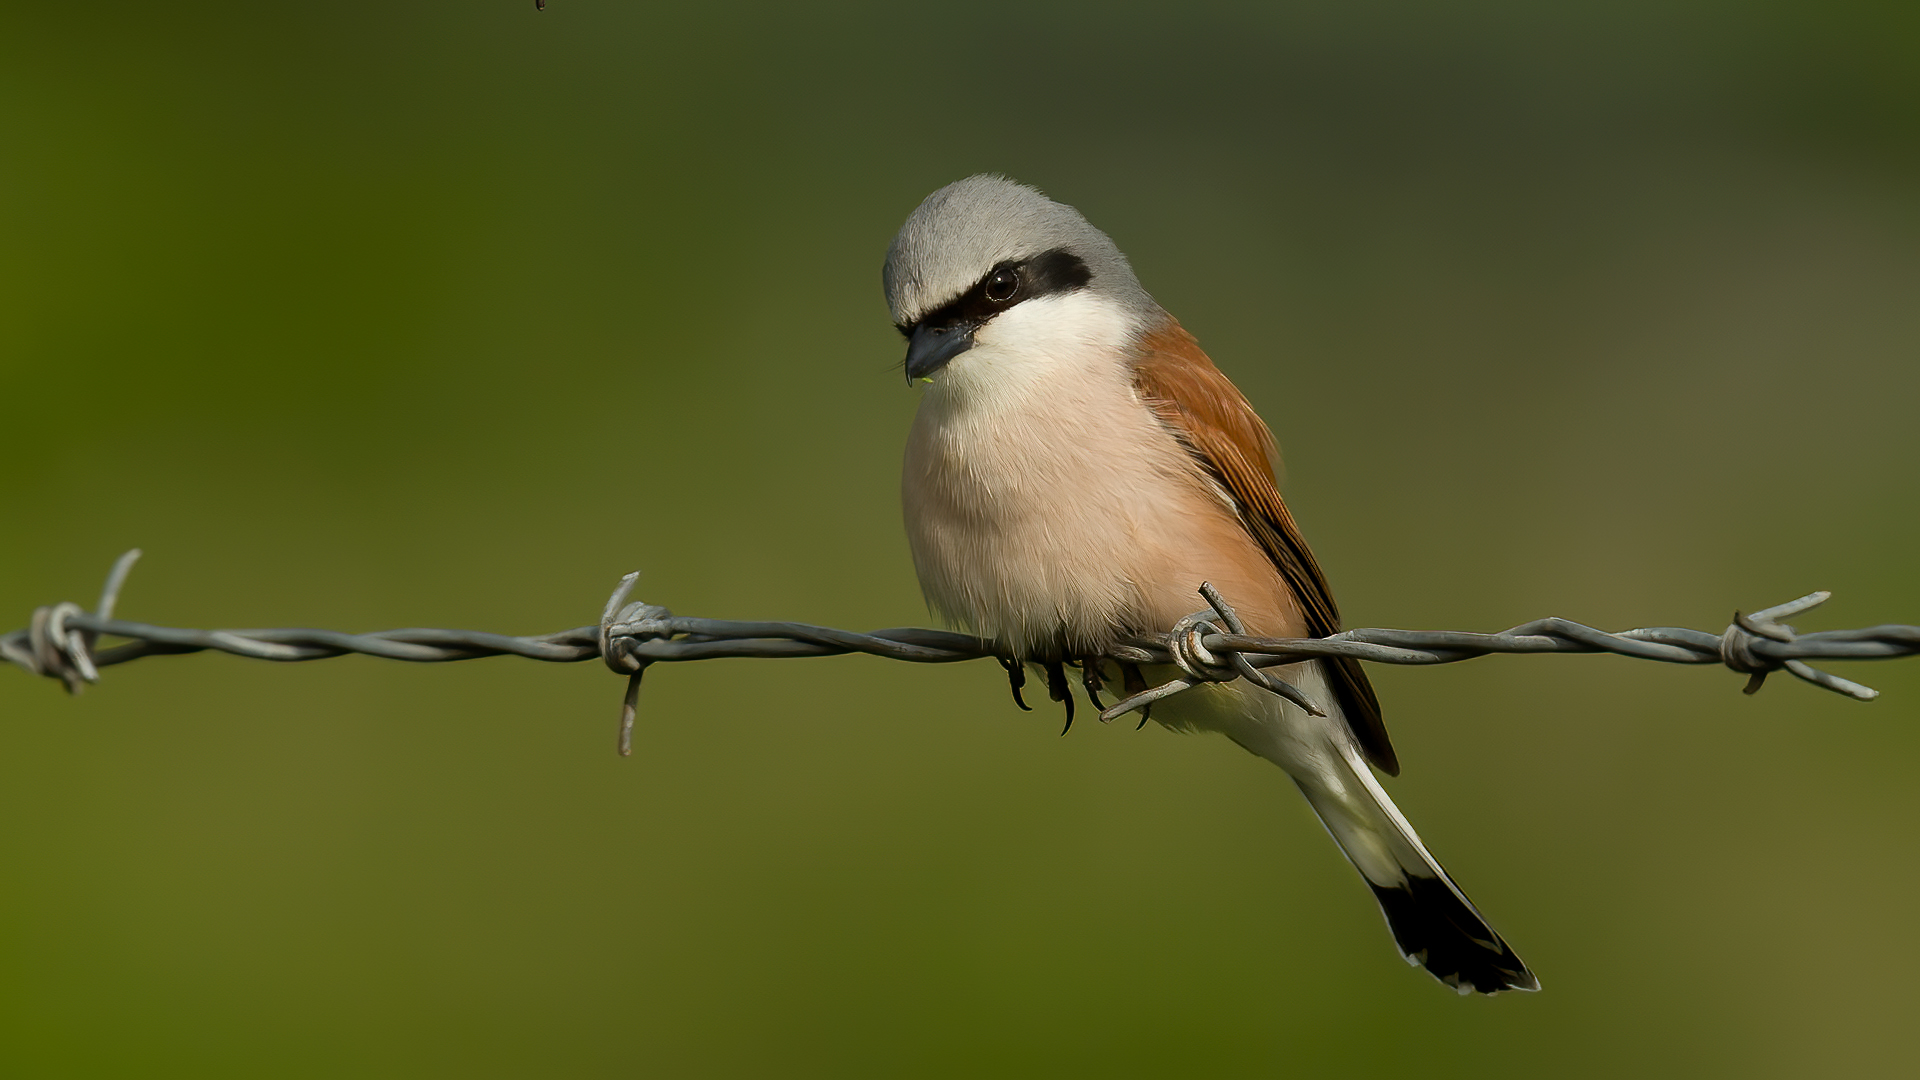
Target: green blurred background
[447,314]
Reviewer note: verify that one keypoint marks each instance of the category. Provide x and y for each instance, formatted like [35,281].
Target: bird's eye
[1002,285]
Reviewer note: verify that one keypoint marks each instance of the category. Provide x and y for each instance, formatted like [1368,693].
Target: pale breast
[1049,509]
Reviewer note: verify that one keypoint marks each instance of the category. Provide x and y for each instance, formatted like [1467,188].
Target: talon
[1060,690]
[1090,679]
[1135,683]
[1016,678]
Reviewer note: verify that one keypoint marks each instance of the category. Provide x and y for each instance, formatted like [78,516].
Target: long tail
[1433,922]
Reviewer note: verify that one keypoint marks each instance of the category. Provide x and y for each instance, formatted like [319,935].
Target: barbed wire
[1209,646]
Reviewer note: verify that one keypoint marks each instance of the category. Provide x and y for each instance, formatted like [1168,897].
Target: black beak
[931,347]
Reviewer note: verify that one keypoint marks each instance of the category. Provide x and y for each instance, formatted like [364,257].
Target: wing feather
[1230,441]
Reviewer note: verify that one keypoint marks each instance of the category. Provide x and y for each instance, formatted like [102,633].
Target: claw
[1090,680]
[1060,690]
[1016,678]
[1135,683]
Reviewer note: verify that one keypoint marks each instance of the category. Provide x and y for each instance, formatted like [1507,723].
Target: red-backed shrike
[1078,468]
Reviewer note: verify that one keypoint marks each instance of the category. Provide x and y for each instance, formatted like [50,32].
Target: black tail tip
[1439,930]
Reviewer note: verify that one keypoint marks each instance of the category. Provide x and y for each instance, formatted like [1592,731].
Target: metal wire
[1207,646]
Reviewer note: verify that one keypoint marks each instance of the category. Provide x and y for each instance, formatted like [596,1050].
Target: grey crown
[963,230]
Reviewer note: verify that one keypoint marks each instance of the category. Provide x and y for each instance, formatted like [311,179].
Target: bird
[1077,468]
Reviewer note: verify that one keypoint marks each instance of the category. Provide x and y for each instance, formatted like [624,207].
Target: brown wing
[1213,420]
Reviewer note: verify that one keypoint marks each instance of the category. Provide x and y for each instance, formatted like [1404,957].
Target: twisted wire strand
[1207,646]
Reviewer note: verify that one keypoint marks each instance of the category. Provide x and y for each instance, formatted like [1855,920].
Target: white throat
[1043,347]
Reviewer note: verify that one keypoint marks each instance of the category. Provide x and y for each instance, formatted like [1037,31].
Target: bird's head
[986,261]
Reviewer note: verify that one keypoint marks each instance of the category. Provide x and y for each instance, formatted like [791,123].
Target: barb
[58,643]
[1207,646]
